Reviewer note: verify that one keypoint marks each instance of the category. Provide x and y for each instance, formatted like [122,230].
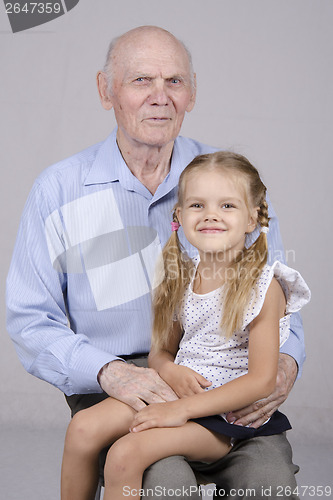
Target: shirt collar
[107,163]
[109,166]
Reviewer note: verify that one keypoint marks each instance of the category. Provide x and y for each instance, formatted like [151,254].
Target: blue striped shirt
[80,282]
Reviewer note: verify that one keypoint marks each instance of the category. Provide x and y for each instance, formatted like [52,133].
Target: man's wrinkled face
[152,89]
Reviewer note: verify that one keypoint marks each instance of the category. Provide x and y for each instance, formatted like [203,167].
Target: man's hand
[134,385]
[257,413]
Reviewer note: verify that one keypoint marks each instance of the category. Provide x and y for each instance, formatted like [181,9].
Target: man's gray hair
[108,68]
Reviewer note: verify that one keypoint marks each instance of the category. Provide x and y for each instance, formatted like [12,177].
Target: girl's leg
[88,433]
[132,454]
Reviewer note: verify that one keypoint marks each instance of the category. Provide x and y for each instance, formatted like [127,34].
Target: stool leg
[98,492]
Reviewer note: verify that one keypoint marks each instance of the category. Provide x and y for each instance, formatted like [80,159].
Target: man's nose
[158,93]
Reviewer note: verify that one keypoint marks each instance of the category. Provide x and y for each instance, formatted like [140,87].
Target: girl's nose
[211,217]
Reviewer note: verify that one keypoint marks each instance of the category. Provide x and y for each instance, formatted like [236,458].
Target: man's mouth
[158,119]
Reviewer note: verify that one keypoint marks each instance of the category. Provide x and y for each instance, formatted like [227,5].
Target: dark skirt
[277,423]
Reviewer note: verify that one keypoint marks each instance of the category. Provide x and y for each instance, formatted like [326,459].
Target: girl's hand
[183,380]
[168,414]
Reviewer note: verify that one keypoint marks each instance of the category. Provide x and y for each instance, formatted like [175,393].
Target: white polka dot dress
[203,346]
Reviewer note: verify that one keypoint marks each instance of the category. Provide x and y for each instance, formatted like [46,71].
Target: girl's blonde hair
[244,271]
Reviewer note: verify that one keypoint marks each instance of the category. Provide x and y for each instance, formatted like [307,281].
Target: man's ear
[191,104]
[253,220]
[102,86]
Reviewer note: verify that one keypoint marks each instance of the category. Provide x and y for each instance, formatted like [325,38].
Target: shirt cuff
[87,362]
[292,348]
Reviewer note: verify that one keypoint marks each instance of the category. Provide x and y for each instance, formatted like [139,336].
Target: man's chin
[157,140]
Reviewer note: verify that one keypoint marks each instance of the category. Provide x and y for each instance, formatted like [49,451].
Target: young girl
[218,323]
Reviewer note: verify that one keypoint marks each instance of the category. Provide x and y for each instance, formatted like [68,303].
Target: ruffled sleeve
[296,291]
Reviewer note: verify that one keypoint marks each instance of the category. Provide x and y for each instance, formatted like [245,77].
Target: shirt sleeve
[36,311]
[294,346]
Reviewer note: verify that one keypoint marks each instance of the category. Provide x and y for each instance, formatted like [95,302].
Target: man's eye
[140,79]
[175,81]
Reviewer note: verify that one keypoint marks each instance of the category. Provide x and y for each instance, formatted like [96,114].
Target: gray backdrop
[265,79]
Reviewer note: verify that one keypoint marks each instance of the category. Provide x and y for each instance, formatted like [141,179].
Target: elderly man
[81,278]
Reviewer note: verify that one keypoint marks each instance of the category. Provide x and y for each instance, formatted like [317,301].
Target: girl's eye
[228,205]
[196,205]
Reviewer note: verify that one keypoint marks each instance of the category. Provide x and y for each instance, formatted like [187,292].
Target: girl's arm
[161,358]
[258,383]
[184,381]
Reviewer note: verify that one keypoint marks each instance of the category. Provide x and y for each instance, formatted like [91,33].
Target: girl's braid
[263,218]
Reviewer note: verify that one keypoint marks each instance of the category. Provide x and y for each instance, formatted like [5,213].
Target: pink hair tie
[175,226]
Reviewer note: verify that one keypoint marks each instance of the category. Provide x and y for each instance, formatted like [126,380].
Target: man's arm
[36,310]
[38,323]
[294,346]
